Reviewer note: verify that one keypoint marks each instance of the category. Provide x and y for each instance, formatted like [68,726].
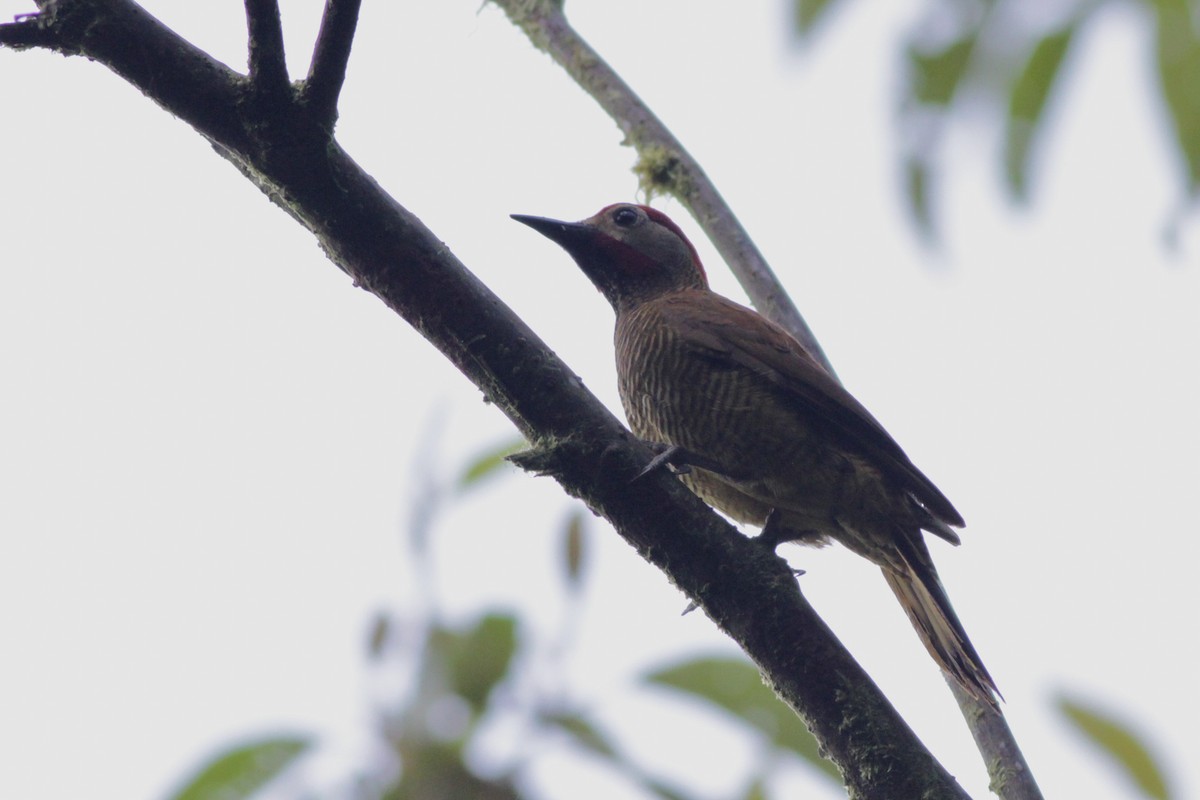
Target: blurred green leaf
[589,737]
[962,57]
[1178,56]
[736,686]
[583,732]
[933,80]
[378,634]
[478,658]
[662,790]
[241,771]
[936,75]
[807,13]
[755,791]
[488,463]
[436,771]
[917,179]
[573,546]
[1121,744]
[1027,102]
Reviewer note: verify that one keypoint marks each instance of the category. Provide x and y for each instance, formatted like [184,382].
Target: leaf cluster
[1002,61]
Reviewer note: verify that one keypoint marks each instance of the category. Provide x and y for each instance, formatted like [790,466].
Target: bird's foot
[679,459]
[774,533]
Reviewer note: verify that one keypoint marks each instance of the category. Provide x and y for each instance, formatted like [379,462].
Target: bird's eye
[625,217]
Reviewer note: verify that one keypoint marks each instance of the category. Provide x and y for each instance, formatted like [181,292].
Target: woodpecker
[760,430]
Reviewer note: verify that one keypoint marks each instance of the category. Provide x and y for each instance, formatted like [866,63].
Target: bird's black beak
[585,244]
[572,236]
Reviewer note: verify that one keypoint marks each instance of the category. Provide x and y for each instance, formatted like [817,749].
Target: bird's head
[632,253]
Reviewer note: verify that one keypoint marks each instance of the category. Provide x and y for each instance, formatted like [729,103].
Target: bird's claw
[773,533]
[680,460]
[667,456]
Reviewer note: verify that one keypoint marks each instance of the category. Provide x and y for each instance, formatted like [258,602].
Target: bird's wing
[722,330]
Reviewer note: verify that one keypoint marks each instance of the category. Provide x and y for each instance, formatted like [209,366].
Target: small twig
[1009,774]
[331,53]
[664,163]
[268,66]
[27,30]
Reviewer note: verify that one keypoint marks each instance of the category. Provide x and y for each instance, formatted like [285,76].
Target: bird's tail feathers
[916,585]
[930,522]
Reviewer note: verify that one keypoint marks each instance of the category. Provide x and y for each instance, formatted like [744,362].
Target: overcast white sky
[208,436]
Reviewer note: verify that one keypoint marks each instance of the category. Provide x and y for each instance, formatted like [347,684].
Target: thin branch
[1009,774]
[28,30]
[327,71]
[750,593]
[664,165]
[267,60]
[667,165]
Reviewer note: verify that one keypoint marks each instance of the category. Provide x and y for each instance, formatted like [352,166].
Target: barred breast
[675,393]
